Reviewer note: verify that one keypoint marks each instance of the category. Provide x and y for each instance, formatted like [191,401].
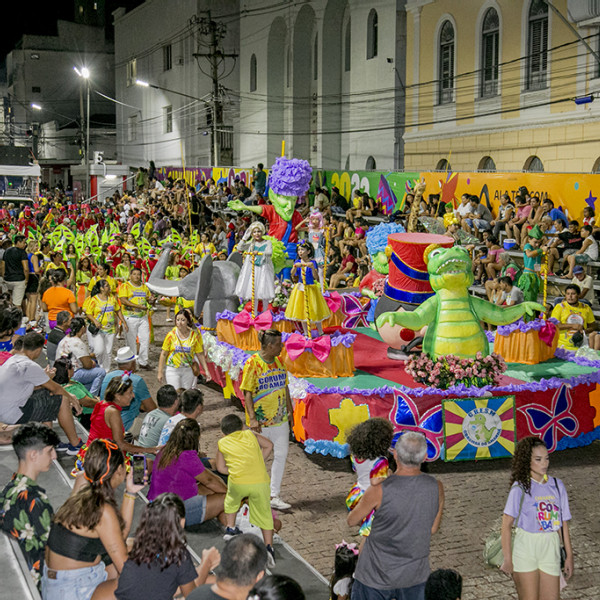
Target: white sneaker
[278,504]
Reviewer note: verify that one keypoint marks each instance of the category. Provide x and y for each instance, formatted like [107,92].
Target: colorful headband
[345,544]
[110,445]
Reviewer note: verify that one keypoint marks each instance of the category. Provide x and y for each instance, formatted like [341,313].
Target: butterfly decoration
[355,312]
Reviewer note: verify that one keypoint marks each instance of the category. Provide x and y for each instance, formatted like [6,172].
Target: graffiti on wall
[194,175]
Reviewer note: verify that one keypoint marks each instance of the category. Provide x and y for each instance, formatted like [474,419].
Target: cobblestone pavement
[316,486]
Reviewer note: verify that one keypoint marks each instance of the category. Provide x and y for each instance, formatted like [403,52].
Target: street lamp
[35,106]
[84,73]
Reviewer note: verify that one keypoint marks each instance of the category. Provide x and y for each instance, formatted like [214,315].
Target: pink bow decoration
[354,311]
[334,301]
[244,320]
[345,544]
[547,332]
[320,347]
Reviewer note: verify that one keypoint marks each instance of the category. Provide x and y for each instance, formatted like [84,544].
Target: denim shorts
[195,510]
[73,584]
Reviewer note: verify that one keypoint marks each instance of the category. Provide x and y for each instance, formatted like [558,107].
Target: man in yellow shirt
[574,317]
[268,405]
[135,299]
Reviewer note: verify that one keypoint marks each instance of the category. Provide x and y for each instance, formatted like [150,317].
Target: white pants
[102,345]
[180,377]
[17,289]
[280,436]
[139,328]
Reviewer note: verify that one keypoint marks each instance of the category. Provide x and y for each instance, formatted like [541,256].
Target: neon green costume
[453,316]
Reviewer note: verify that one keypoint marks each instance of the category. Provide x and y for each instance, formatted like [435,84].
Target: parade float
[471,392]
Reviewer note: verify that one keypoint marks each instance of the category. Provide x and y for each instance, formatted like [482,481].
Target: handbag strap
[560,531]
[516,524]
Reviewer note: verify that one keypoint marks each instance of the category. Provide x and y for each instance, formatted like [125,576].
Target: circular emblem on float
[482,427]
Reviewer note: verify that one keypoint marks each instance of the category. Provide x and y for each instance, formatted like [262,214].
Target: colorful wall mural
[569,191]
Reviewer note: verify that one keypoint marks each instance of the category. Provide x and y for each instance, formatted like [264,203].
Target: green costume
[452,315]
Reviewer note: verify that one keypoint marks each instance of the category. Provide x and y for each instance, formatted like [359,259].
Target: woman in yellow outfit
[306,303]
[103,273]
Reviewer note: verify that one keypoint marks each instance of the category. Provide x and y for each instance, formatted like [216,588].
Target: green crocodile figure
[452,315]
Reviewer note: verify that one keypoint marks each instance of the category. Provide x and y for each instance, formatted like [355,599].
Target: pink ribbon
[334,301]
[547,332]
[245,320]
[297,344]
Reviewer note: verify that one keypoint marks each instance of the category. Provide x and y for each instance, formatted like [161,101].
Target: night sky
[39,17]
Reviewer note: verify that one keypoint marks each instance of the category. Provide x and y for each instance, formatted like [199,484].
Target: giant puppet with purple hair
[289,178]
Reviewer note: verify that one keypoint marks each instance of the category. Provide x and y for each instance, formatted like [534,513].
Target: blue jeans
[360,591]
[91,379]
[74,584]
[195,510]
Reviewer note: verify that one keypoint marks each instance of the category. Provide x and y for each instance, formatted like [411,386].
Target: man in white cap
[142,401]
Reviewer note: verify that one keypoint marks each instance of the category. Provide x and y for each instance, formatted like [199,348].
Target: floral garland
[448,371]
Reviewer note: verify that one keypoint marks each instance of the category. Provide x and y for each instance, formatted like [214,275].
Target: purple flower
[290,176]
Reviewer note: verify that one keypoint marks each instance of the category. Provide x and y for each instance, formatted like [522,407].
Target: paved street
[316,486]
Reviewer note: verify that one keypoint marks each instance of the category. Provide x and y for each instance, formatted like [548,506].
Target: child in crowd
[242,455]
[370,443]
[340,584]
[159,561]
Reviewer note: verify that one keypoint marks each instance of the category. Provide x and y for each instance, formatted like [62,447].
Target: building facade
[326,77]
[166,44]
[503,85]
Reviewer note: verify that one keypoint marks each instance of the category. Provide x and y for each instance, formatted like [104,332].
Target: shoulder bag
[563,550]
[190,360]
[92,327]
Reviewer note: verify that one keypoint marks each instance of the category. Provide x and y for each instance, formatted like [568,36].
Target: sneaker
[231,532]
[270,557]
[74,450]
[278,504]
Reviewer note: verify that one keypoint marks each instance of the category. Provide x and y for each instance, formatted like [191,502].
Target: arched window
[372,34]
[487,164]
[443,165]
[288,68]
[490,36]
[537,45]
[347,46]
[371,164]
[316,57]
[446,64]
[253,73]
[533,165]
[596,167]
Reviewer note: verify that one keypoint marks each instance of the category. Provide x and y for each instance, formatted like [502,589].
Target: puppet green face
[284,205]
[449,268]
[380,262]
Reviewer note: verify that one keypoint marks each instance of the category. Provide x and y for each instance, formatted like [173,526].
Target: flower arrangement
[282,292]
[448,371]
[290,176]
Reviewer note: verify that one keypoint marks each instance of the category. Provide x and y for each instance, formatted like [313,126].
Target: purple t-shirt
[544,508]
[178,478]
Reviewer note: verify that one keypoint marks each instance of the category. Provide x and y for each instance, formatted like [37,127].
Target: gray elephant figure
[211,285]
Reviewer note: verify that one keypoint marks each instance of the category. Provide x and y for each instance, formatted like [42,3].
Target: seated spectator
[152,426]
[64,376]
[192,405]
[444,584]
[88,525]
[505,213]
[25,512]
[586,254]
[243,564]
[29,394]
[574,319]
[179,470]
[159,561]
[510,294]
[10,324]
[63,321]
[347,270]
[86,369]
[569,241]
[491,263]
[585,283]
[277,587]
[142,401]
[513,227]
[508,268]
[534,218]
[478,219]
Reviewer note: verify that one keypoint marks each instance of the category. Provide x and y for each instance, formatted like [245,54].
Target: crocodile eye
[435,252]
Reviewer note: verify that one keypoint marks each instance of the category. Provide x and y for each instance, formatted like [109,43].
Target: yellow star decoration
[346,416]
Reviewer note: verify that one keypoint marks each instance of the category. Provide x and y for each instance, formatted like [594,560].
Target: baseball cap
[577,269]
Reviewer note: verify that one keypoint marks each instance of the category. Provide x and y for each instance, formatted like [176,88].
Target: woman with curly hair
[538,508]
[370,443]
[88,525]
[159,561]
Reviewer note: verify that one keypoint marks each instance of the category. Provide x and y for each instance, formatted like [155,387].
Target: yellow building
[502,85]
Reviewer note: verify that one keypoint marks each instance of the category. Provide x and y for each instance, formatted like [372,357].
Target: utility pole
[215,56]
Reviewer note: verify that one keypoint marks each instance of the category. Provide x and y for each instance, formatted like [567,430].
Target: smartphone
[138,462]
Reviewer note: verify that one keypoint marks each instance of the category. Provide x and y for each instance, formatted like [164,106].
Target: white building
[325,76]
[169,121]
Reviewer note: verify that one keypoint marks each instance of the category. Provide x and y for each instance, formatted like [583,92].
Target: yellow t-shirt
[111,282]
[243,458]
[102,311]
[267,382]
[136,294]
[203,249]
[182,351]
[580,314]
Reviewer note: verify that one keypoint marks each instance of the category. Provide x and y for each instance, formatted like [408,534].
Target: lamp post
[84,73]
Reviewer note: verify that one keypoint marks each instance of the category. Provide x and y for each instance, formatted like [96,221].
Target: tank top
[98,426]
[396,553]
